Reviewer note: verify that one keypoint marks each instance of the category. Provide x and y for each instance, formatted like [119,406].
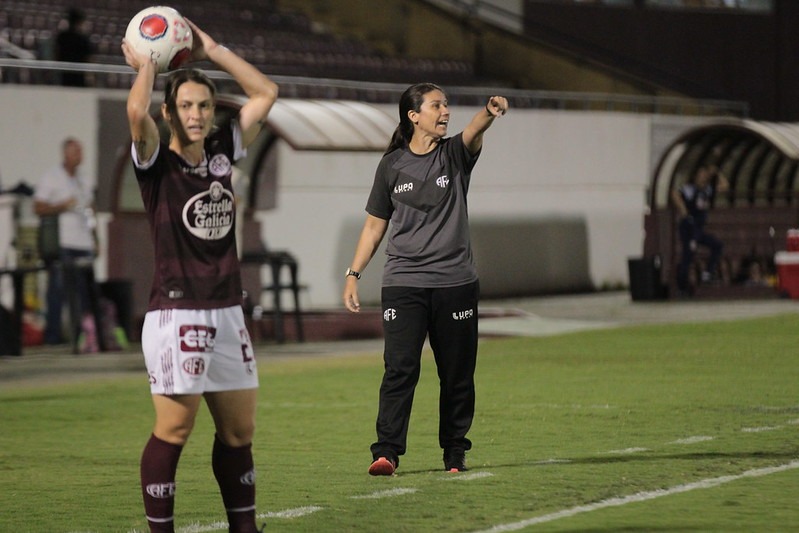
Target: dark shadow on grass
[636,529]
[697,456]
[787,455]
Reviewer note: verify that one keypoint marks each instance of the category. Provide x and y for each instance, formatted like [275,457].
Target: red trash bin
[788,272]
[792,240]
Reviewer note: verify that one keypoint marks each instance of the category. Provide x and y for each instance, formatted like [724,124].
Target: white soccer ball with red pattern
[162,33]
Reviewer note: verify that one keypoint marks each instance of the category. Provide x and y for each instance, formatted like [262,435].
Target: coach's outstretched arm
[473,132]
[262,91]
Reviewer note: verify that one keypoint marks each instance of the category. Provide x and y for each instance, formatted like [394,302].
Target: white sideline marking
[761,429]
[466,477]
[692,440]
[552,462]
[197,528]
[292,513]
[627,450]
[641,497]
[222,526]
[384,494]
[572,406]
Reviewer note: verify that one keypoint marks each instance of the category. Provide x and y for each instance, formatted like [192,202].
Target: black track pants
[449,317]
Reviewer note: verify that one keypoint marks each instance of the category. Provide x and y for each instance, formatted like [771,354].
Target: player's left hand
[202,43]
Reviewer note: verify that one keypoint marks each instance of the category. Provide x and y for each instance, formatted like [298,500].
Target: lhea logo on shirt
[403,187]
[463,315]
[209,215]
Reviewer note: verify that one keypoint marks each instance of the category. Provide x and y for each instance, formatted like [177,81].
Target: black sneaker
[455,460]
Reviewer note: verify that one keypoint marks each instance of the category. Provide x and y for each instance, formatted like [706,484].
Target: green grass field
[649,428]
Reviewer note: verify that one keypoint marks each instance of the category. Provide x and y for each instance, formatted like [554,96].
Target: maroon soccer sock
[235,473]
[159,462]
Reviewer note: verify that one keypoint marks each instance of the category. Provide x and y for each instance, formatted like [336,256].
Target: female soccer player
[194,339]
[430,285]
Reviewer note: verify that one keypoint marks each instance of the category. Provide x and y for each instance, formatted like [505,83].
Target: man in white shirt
[64,191]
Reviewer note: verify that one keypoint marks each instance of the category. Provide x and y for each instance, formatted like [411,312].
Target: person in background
[74,46]
[693,201]
[195,342]
[430,285]
[65,192]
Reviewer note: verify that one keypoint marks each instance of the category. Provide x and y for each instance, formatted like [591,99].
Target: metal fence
[40,72]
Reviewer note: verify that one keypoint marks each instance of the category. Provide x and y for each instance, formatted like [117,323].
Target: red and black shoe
[382,467]
[455,460]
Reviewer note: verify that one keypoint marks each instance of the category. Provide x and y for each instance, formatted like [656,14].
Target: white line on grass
[641,497]
[761,429]
[222,526]
[692,440]
[197,528]
[292,513]
[384,494]
[552,462]
[627,450]
[466,477]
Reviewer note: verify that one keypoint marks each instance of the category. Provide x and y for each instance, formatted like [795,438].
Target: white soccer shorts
[189,351]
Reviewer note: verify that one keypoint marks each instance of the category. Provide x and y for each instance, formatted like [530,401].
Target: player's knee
[237,436]
[174,433]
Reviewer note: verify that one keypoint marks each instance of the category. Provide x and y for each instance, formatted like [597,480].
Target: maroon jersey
[192,216]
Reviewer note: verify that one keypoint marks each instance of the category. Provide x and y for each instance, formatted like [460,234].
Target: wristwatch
[351,272]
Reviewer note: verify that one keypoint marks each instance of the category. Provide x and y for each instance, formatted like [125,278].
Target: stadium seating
[280,43]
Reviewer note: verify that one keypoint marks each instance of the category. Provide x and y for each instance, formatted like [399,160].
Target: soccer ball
[163,34]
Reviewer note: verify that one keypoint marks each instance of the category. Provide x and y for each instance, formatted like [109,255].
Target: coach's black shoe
[263,528]
[455,460]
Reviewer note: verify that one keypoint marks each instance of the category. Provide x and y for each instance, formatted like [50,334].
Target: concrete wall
[557,198]
[577,178]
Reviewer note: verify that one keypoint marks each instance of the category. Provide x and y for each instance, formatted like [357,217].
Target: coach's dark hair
[178,78]
[411,99]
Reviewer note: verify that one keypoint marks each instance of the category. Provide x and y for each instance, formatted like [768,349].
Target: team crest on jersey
[219,165]
[209,215]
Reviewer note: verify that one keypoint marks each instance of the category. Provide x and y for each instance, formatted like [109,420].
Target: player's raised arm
[262,91]
[143,129]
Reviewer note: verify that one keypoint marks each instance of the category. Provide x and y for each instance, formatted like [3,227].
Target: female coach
[430,285]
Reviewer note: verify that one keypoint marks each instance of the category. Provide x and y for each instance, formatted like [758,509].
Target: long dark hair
[411,99]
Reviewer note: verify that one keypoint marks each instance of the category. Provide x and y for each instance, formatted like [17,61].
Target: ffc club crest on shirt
[209,214]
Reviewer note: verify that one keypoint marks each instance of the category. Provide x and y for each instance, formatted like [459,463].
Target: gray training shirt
[424,197]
